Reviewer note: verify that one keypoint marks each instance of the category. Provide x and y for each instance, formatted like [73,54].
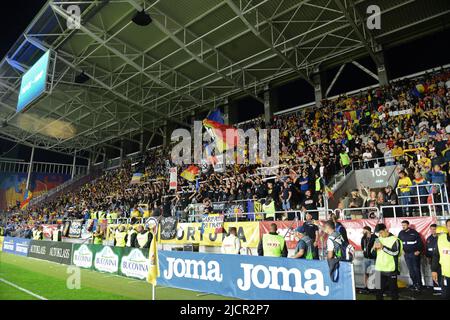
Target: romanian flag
[136,178]
[153,267]
[216,116]
[225,136]
[329,192]
[190,173]
[26,199]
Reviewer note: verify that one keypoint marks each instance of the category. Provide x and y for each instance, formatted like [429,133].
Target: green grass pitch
[48,280]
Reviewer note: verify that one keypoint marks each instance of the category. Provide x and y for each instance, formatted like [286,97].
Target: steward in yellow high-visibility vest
[272,244]
[97,237]
[441,259]
[38,234]
[269,209]
[101,214]
[94,215]
[143,238]
[389,249]
[132,233]
[56,235]
[120,238]
[345,159]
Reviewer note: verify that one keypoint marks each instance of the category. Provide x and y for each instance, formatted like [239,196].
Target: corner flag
[153,268]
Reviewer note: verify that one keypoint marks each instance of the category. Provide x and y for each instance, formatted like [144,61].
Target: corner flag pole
[153,266]
[153,292]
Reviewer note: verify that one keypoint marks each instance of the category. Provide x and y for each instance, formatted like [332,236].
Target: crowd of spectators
[406,123]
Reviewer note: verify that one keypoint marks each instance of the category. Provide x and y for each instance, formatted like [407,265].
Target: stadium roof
[194,55]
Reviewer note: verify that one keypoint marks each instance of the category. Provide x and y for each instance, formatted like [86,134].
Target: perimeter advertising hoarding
[254,277]
[18,246]
[55,251]
[134,263]
[34,82]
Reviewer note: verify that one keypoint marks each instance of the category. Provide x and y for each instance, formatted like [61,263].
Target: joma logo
[270,276]
[186,268]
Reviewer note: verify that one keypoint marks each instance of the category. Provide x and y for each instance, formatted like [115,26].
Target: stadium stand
[405,124]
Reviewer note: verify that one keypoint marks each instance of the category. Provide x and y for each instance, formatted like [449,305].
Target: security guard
[38,233]
[272,244]
[305,247]
[389,249]
[441,258]
[120,238]
[97,237]
[231,244]
[94,214]
[101,214]
[269,209]
[56,234]
[111,216]
[430,247]
[413,246]
[131,239]
[143,238]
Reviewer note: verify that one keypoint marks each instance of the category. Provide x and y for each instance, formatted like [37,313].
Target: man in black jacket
[390,199]
[367,242]
[339,227]
[412,246]
[430,247]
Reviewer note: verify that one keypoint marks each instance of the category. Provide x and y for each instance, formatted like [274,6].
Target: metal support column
[267,105]
[73,164]
[141,142]
[318,88]
[226,113]
[121,151]
[383,77]
[89,164]
[30,169]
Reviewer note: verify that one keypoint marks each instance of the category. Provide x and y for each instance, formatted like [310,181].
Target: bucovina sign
[250,277]
[134,263]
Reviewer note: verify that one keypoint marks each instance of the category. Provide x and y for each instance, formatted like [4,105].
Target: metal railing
[372,163]
[416,196]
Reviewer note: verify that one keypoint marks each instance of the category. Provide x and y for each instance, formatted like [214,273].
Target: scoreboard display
[34,82]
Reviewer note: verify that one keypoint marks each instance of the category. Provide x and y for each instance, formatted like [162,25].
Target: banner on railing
[250,277]
[47,230]
[75,228]
[168,228]
[188,233]
[354,228]
[212,223]
[284,228]
[18,246]
[173,178]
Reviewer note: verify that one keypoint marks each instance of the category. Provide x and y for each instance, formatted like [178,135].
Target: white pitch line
[22,289]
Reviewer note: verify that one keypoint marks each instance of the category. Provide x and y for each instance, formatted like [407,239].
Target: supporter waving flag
[190,173]
[26,199]
[225,136]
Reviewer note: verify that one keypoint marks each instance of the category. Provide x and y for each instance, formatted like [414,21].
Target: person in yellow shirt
[424,161]
[404,184]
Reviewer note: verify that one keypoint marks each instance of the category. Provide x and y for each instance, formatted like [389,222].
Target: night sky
[405,59]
